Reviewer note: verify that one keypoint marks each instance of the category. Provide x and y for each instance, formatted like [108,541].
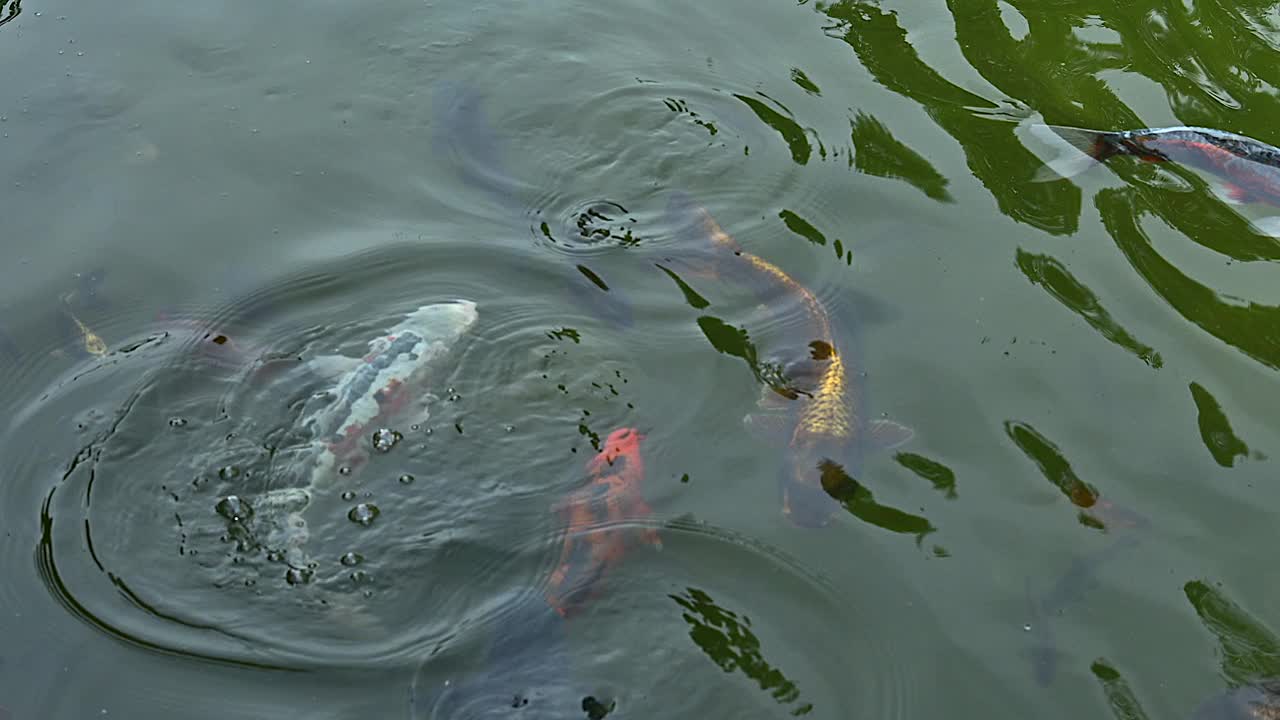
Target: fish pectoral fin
[771,428]
[888,434]
[1269,226]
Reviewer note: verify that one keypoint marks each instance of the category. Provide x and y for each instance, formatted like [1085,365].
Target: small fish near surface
[597,536]
[1248,169]
[529,671]
[814,407]
[388,384]
[88,340]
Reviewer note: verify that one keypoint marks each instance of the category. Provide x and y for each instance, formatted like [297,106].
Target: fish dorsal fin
[888,434]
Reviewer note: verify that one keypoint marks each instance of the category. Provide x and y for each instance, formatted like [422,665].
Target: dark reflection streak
[727,639]
[1050,274]
[992,151]
[594,278]
[48,571]
[942,477]
[15,9]
[1053,465]
[691,296]
[1249,649]
[93,553]
[789,129]
[151,610]
[1120,698]
[1215,429]
[1253,329]
[878,153]
[861,503]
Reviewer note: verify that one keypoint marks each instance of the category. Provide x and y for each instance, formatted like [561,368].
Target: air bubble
[230,472]
[360,577]
[406,479]
[364,513]
[344,470]
[349,495]
[177,422]
[298,576]
[234,509]
[351,559]
[384,439]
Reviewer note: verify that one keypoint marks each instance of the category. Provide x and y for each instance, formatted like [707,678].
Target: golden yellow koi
[817,409]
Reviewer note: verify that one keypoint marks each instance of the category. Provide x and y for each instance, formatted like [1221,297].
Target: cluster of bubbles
[239,513]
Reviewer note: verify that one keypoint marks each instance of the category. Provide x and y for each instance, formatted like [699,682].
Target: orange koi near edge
[597,515]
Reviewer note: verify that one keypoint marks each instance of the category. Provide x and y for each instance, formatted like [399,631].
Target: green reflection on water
[788,128]
[1050,274]
[861,503]
[1123,703]
[692,297]
[1249,327]
[1249,649]
[1052,463]
[879,153]
[941,476]
[1215,430]
[727,639]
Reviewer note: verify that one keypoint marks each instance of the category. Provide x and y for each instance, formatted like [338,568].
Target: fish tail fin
[1077,150]
[461,132]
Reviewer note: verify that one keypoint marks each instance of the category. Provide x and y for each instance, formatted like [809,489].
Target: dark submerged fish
[461,130]
[1249,168]
[1080,577]
[527,673]
[815,405]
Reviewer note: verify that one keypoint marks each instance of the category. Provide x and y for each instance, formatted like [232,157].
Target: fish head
[620,455]
[812,483]
[444,322]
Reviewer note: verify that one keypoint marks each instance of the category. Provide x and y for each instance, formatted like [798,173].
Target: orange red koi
[598,516]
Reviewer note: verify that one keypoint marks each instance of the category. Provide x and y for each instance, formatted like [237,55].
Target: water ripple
[133,541]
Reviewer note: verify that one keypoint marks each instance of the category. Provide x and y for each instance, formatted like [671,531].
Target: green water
[1081,526]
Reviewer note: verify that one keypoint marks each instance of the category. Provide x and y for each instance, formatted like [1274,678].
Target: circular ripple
[133,538]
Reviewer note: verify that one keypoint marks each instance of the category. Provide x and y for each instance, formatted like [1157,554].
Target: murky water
[1061,497]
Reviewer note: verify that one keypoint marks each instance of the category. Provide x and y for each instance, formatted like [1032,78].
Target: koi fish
[369,393]
[528,668]
[596,541]
[816,410]
[1250,168]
